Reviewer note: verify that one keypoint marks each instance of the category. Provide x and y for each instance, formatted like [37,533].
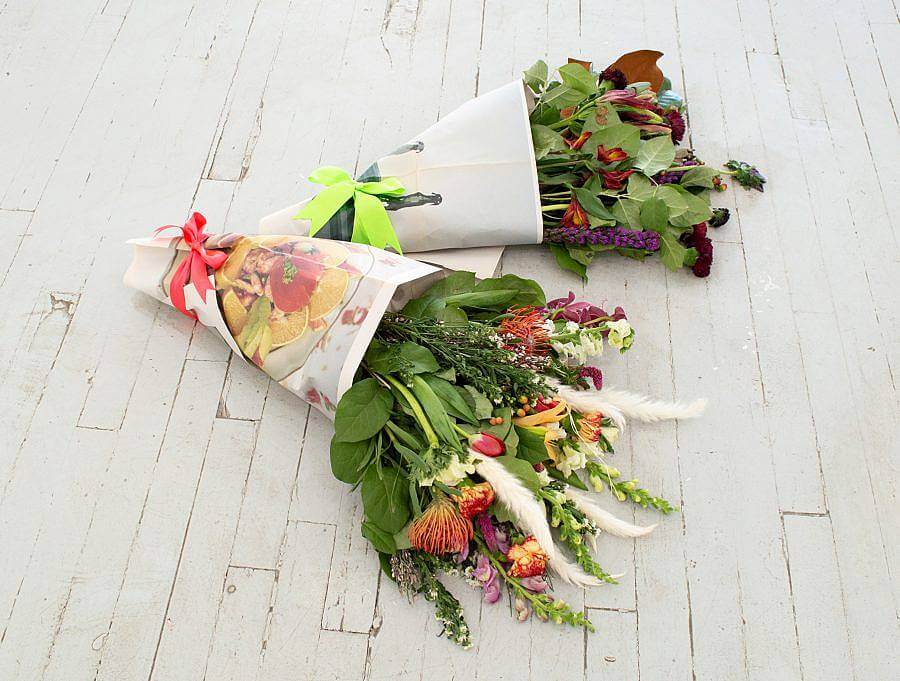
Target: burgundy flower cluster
[697,239]
[619,237]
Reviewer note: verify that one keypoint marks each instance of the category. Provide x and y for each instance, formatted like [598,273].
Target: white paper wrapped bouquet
[471,413]
[584,161]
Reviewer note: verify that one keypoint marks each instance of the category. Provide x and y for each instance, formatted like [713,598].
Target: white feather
[530,516]
[605,520]
[619,404]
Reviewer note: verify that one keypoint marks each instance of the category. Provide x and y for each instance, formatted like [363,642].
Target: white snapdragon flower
[572,459]
[544,477]
[611,433]
[548,326]
[452,474]
[588,344]
[572,327]
[621,334]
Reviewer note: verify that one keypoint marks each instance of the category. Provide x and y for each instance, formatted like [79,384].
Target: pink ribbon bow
[193,268]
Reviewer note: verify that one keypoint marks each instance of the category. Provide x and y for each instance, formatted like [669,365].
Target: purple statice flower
[494,536]
[594,374]
[535,584]
[618,237]
[666,177]
[582,312]
[486,574]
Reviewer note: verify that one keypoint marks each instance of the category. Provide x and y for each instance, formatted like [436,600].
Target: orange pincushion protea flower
[475,499]
[528,559]
[441,528]
[525,329]
[589,427]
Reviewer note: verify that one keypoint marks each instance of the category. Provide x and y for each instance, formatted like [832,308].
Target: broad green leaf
[385,497]
[522,470]
[621,135]
[655,215]
[656,154]
[546,140]
[561,96]
[628,213]
[585,256]
[348,459]
[481,299]
[671,250]
[480,404]
[452,316]
[362,411]
[531,445]
[452,400]
[592,204]
[578,78]
[701,176]
[528,291]
[566,261]
[381,540]
[639,187]
[697,211]
[417,358]
[604,115]
[673,198]
[536,76]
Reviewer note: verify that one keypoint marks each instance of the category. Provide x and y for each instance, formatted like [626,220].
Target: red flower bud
[487,444]
[613,155]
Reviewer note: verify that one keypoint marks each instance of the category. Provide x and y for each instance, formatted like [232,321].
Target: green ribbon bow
[371,224]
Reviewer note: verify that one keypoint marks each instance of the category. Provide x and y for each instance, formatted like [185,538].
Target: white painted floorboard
[166,513]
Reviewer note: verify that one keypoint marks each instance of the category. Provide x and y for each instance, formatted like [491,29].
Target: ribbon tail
[199,277]
[375,221]
[176,288]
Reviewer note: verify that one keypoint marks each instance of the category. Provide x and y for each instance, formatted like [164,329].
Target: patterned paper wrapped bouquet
[587,163]
[470,413]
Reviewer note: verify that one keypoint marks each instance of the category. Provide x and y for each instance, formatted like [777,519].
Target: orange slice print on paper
[289,328]
[329,292]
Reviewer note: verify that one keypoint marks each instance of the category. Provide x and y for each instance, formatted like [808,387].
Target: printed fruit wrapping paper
[301,309]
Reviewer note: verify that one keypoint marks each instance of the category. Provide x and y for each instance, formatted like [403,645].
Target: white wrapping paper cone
[333,294]
[470,179]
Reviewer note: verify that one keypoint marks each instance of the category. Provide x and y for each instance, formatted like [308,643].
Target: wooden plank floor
[166,513]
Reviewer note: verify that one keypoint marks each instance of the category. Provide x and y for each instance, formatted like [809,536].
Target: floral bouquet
[611,175]
[587,163]
[467,411]
[471,429]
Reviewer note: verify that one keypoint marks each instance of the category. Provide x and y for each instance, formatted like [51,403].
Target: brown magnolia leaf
[585,64]
[640,67]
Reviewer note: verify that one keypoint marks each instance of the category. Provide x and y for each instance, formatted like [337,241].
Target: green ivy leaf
[408,357]
[560,96]
[656,154]
[481,405]
[385,497]
[697,210]
[362,411]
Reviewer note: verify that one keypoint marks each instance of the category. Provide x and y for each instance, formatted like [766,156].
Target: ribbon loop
[371,224]
[192,270]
